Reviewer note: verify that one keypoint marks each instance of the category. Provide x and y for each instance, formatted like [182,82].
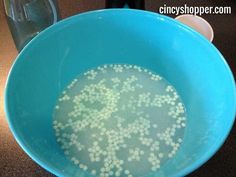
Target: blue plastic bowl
[186,59]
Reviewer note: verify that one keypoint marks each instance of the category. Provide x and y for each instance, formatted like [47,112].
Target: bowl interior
[183,57]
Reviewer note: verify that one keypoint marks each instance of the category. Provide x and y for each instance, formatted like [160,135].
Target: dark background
[14,162]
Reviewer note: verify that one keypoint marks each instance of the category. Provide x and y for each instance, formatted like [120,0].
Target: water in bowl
[119,120]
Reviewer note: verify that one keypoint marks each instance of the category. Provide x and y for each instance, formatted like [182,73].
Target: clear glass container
[26,18]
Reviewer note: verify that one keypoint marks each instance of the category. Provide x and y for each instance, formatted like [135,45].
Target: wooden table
[14,162]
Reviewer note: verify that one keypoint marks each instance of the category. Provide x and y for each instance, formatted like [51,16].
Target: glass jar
[26,18]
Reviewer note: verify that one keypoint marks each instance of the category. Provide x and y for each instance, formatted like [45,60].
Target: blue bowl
[186,59]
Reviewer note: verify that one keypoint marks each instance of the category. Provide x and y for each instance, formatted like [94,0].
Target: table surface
[14,162]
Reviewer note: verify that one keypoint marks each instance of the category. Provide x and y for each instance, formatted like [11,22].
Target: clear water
[119,120]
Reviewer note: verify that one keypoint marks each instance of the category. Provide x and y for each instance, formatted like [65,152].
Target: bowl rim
[48,166]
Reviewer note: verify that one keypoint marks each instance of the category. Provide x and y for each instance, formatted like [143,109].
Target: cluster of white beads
[155,161]
[64,98]
[167,137]
[95,152]
[176,111]
[102,69]
[138,68]
[83,166]
[155,77]
[144,99]
[97,103]
[116,80]
[155,146]
[118,68]
[135,154]
[91,74]
[148,100]
[95,93]
[127,84]
[71,84]
[146,141]
[75,160]
[127,172]
[128,66]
